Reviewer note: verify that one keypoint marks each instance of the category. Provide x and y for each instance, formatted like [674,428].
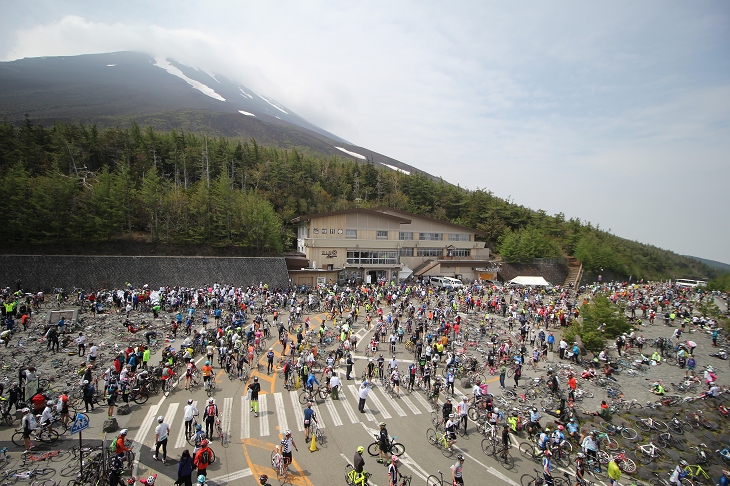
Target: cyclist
[657,388]
[207,370]
[255,388]
[451,424]
[506,440]
[370,369]
[724,479]
[547,467]
[120,448]
[381,366]
[359,465]
[210,414]
[199,436]
[544,439]
[393,470]
[383,443]
[679,473]
[580,469]
[534,426]
[264,480]
[189,413]
[309,415]
[29,425]
[457,471]
[286,445]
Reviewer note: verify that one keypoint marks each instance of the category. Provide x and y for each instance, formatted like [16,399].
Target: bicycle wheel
[140,398]
[527,480]
[642,425]
[18,439]
[609,428]
[397,448]
[629,433]
[642,456]
[433,481]
[487,446]
[610,443]
[305,397]
[507,461]
[628,466]
[603,457]
[348,471]
[473,413]
[44,473]
[527,451]
[670,360]
[660,426]
[374,448]
[166,388]
[430,436]
[447,451]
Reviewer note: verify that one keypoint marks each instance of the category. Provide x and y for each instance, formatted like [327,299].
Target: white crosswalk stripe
[263,416]
[280,412]
[276,413]
[245,419]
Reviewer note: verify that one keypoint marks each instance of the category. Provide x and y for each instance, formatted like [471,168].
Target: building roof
[387,210]
[370,212]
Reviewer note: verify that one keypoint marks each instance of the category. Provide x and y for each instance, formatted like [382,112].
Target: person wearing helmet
[679,473]
[370,369]
[506,441]
[547,467]
[358,464]
[198,438]
[162,431]
[253,391]
[287,444]
[116,469]
[207,371]
[393,470]
[724,479]
[457,471]
[203,458]
[580,468]
[451,425]
[120,447]
[264,480]
[189,414]
[210,414]
[383,443]
[47,415]
[309,416]
[463,409]
[29,424]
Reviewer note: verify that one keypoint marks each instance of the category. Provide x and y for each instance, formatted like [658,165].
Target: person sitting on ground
[656,357]
[657,388]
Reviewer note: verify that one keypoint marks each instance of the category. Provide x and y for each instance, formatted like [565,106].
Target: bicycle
[46,456]
[279,465]
[539,480]
[649,424]
[441,441]
[624,463]
[432,480]
[648,452]
[210,386]
[490,447]
[352,479]
[626,432]
[696,473]
[45,435]
[317,432]
[225,440]
[308,395]
[44,473]
[701,456]
[405,480]
[393,447]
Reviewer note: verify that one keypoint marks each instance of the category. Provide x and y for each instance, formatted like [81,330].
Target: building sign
[493,269]
[329,253]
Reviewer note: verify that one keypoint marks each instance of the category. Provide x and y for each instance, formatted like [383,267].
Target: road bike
[279,464]
[626,432]
[432,480]
[393,447]
[538,480]
[494,447]
[698,475]
[353,479]
[317,432]
[441,441]
[45,435]
[209,386]
[222,436]
[649,424]
[703,457]
[624,463]
[648,452]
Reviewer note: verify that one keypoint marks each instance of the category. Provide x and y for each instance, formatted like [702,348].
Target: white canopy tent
[530,281]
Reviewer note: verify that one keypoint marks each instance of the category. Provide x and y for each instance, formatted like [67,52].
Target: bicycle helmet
[581,455]
[160,419]
[255,379]
[561,428]
[85,382]
[370,360]
[211,400]
[26,410]
[496,409]
[150,480]
[203,442]
[547,429]
[460,458]
[190,401]
[201,479]
[207,363]
[49,403]
[360,449]
[683,463]
[394,458]
[263,478]
[288,432]
[123,432]
[381,355]
[464,398]
[198,427]
[451,415]
[382,424]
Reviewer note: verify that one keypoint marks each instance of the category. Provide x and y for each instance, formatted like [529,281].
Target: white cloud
[567,106]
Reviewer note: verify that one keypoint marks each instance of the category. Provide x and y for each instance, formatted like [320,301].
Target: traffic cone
[313,444]
[297,382]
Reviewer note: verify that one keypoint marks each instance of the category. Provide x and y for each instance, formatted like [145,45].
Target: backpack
[113,445]
[205,457]
[211,410]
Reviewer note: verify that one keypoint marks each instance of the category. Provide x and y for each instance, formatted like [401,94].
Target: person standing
[81,343]
[270,360]
[614,472]
[185,469]
[502,375]
[350,362]
[189,413]
[29,424]
[287,443]
[393,473]
[363,394]
[203,458]
[309,415]
[335,386]
[383,443]
[116,468]
[162,431]
[359,464]
[457,471]
[518,374]
[463,409]
[211,413]
[254,389]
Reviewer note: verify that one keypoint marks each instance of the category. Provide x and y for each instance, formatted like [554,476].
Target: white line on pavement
[263,416]
[378,405]
[280,412]
[297,411]
[228,417]
[245,419]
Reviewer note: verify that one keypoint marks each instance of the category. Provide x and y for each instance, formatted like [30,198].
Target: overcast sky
[613,112]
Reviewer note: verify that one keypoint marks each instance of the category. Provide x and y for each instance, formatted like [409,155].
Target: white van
[448,283]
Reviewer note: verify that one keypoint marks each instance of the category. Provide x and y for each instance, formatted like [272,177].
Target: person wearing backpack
[211,412]
[111,398]
[203,458]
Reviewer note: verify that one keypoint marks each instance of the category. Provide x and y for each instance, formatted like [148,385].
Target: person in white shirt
[463,409]
[162,431]
[93,352]
[81,343]
[47,415]
[395,378]
[335,386]
[189,413]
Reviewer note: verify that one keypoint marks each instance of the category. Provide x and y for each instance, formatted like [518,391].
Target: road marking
[320,421]
[347,461]
[297,411]
[410,405]
[348,408]
[232,476]
[422,401]
[144,428]
[227,409]
[383,411]
[336,420]
[181,439]
[263,417]
[393,402]
[280,412]
[491,470]
[245,419]
[171,411]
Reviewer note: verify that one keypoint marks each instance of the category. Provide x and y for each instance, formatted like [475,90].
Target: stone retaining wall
[44,272]
[552,272]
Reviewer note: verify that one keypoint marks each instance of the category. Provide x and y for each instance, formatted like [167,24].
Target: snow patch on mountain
[397,169]
[110,65]
[207,91]
[243,93]
[354,154]
[245,113]
[273,103]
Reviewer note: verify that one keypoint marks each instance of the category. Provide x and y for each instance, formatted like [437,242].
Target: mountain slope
[117,88]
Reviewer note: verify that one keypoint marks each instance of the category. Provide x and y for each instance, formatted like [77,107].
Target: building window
[324,231]
[372,257]
[460,252]
[332,231]
[405,235]
[382,234]
[429,252]
[351,233]
[316,231]
[406,252]
[459,237]
[431,236]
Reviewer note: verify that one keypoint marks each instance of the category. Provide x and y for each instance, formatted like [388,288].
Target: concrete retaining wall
[44,272]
